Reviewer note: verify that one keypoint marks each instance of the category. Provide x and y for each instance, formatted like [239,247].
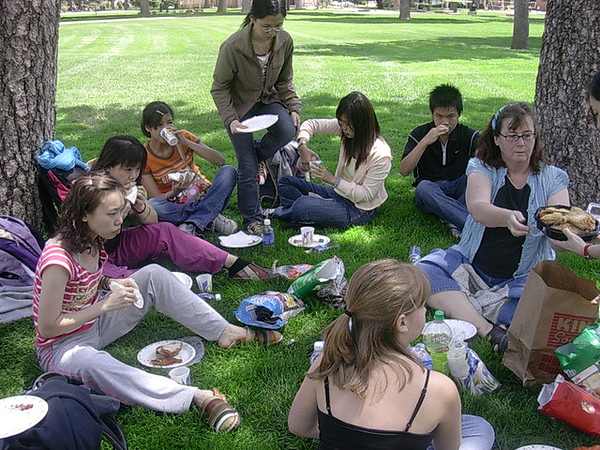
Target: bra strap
[327,399]
[419,403]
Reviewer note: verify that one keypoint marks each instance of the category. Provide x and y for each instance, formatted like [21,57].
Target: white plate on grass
[538,447]
[258,123]
[318,239]
[184,278]
[458,326]
[239,240]
[148,353]
[20,413]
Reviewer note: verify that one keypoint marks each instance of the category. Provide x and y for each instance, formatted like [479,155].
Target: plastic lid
[318,345]
[217,297]
[438,315]
[267,222]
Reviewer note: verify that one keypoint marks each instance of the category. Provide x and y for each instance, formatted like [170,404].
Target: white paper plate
[184,278]
[258,123]
[14,419]
[461,325]
[148,353]
[538,447]
[239,240]
[318,239]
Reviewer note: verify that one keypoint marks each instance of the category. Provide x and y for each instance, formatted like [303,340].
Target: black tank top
[335,434]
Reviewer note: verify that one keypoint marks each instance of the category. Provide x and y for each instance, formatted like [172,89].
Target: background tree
[222,7]
[247,5]
[520,39]
[28,68]
[569,56]
[404,9]
[145,8]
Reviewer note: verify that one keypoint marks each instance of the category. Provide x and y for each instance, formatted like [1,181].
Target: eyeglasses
[275,29]
[516,137]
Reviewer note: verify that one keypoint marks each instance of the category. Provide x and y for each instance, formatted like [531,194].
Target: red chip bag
[565,401]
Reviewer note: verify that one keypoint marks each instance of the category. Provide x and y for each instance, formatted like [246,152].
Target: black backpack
[76,419]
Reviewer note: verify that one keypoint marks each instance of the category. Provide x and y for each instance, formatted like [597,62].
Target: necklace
[261,50]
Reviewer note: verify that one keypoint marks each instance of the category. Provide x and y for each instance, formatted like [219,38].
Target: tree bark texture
[404,9]
[570,55]
[28,70]
[145,8]
[520,39]
[222,7]
[247,5]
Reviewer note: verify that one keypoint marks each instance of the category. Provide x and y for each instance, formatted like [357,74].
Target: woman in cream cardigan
[353,194]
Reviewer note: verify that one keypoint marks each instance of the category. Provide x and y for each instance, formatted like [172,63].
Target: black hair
[153,114]
[361,116]
[263,8]
[445,96]
[121,149]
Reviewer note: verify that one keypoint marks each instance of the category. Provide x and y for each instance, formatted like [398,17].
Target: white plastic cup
[204,281]
[169,137]
[181,375]
[307,235]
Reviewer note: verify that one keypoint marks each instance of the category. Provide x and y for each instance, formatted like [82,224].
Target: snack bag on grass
[269,309]
[316,278]
[567,402]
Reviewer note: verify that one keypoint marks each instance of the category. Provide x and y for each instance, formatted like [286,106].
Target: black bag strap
[113,432]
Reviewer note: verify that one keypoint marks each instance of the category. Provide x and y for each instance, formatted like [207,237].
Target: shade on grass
[108,71]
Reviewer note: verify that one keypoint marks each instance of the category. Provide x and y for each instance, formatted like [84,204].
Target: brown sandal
[220,414]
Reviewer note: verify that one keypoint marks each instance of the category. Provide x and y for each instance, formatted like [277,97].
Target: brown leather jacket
[237,80]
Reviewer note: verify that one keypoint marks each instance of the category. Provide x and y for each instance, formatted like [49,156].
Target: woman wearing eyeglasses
[481,279]
[254,76]
[352,195]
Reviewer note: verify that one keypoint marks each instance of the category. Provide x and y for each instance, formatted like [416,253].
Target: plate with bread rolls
[166,354]
[552,220]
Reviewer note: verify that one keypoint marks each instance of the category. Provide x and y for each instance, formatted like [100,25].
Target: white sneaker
[222,225]
[188,227]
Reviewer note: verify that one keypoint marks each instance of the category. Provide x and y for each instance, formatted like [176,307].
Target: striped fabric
[81,290]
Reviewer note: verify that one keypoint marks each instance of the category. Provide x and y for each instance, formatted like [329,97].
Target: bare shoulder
[442,388]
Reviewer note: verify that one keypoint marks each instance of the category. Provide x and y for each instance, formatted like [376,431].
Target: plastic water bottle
[317,350]
[268,235]
[437,337]
[208,297]
[414,254]
[457,360]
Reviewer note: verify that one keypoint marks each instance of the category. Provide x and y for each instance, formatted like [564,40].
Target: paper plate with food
[20,413]
[166,354]
[552,220]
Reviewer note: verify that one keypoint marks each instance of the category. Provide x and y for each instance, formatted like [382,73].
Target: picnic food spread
[575,219]
[166,354]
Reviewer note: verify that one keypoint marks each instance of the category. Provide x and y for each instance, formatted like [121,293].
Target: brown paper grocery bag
[555,307]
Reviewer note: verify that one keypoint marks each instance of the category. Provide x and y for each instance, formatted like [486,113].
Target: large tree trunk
[569,56]
[247,5]
[28,61]
[222,7]
[520,39]
[145,8]
[404,9]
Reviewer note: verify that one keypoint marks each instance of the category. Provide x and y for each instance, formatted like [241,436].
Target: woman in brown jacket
[253,76]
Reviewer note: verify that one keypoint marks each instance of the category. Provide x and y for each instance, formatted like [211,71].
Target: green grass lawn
[108,71]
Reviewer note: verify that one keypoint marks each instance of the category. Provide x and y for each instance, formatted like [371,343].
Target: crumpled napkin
[239,239]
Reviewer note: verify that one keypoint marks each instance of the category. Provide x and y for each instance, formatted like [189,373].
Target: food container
[554,233]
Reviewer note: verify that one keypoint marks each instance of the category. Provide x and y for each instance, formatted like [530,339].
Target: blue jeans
[476,432]
[311,203]
[203,211]
[444,198]
[440,264]
[250,152]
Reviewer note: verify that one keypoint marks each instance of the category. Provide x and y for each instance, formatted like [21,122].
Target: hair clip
[160,112]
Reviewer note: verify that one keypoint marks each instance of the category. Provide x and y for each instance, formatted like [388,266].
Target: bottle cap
[438,315]
[217,297]
[267,222]
[318,345]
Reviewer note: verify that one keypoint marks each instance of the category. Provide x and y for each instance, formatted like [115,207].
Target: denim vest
[547,182]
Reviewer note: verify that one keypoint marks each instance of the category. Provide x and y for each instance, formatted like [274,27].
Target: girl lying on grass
[75,317]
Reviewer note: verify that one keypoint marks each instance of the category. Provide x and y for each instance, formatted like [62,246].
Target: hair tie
[495,118]
[348,313]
